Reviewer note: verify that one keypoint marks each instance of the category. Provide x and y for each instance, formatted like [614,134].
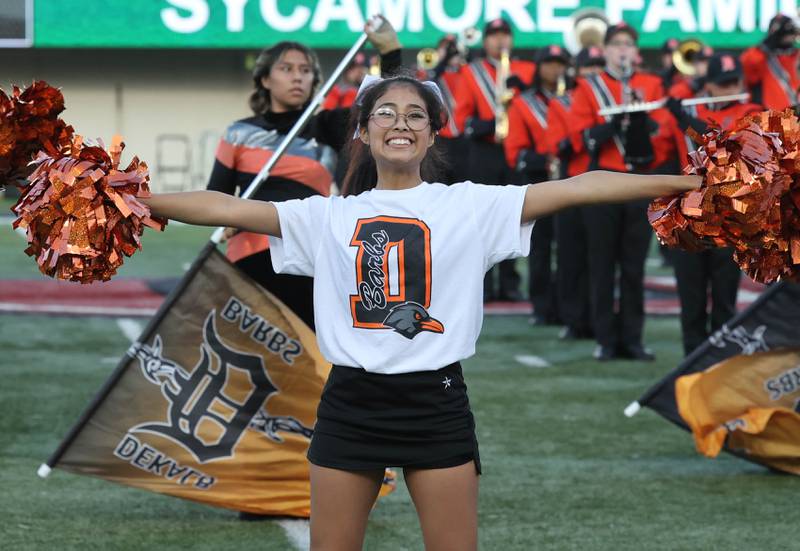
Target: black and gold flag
[215,403]
[740,390]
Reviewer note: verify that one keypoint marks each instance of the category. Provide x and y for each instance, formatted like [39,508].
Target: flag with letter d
[216,403]
[740,390]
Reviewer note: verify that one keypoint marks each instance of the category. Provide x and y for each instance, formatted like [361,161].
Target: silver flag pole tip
[44,470]
[632,409]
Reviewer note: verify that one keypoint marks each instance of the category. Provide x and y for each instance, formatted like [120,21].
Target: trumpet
[684,54]
[427,59]
[658,104]
[503,97]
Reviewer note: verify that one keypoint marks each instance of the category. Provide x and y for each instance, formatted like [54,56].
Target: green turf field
[563,468]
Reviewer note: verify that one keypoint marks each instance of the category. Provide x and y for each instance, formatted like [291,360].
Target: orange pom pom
[29,123]
[81,212]
[749,200]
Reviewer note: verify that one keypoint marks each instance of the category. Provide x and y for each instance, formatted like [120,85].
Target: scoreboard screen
[16,23]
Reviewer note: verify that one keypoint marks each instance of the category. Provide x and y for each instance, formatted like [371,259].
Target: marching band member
[343,93]
[447,75]
[572,270]
[668,72]
[477,106]
[619,234]
[770,69]
[690,87]
[526,150]
[712,270]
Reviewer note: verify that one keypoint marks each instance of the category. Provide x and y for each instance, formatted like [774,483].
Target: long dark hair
[260,99]
[362,174]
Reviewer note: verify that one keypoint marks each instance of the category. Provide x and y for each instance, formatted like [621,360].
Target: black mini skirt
[370,421]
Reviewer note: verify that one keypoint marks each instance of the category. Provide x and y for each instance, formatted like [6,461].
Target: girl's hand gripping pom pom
[749,200]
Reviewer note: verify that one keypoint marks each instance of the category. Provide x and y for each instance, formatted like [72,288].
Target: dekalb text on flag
[217,405]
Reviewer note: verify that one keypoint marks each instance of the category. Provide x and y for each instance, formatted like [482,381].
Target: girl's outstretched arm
[600,186]
[212,208]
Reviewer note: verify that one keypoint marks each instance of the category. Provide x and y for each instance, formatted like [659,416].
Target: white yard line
[661,280]
[533,361]
[74,309]
[130,328]
[297,531]
[747,296]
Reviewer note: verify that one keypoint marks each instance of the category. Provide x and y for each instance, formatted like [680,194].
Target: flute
[658,104]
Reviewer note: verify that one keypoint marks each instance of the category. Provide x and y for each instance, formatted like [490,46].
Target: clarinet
[627,96]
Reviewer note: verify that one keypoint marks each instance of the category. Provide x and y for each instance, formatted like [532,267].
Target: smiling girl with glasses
[398,265]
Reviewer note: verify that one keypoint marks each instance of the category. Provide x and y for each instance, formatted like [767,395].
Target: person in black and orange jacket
[713,270]
[526,149]
[475,119]
[285,77]
[572,270]
[770,69]
[619,234]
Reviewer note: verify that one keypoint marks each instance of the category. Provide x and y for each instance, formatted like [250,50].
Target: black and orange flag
[216,402]
[740,391]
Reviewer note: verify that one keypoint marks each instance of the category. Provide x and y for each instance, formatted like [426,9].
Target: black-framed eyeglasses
[386,117]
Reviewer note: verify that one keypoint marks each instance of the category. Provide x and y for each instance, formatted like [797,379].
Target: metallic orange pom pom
[81,212]
[749,200]
[29,123]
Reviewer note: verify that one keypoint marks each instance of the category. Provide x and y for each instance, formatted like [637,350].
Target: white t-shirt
[398,274]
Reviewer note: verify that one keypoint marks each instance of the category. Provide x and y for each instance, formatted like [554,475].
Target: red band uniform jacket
[610,155]
[771,77]
[562,139]
[475,94]
[526,147]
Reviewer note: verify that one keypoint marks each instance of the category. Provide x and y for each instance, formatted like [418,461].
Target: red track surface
[122,297]
[133,298]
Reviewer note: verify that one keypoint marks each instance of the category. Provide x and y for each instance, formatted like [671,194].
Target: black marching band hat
[553,52]
[723,68]
[620,27]
[360,59]
[498,25]
[670,45]
[588,57]
[781,24]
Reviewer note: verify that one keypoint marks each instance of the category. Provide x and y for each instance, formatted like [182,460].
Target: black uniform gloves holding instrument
[685,120]
[634,133]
